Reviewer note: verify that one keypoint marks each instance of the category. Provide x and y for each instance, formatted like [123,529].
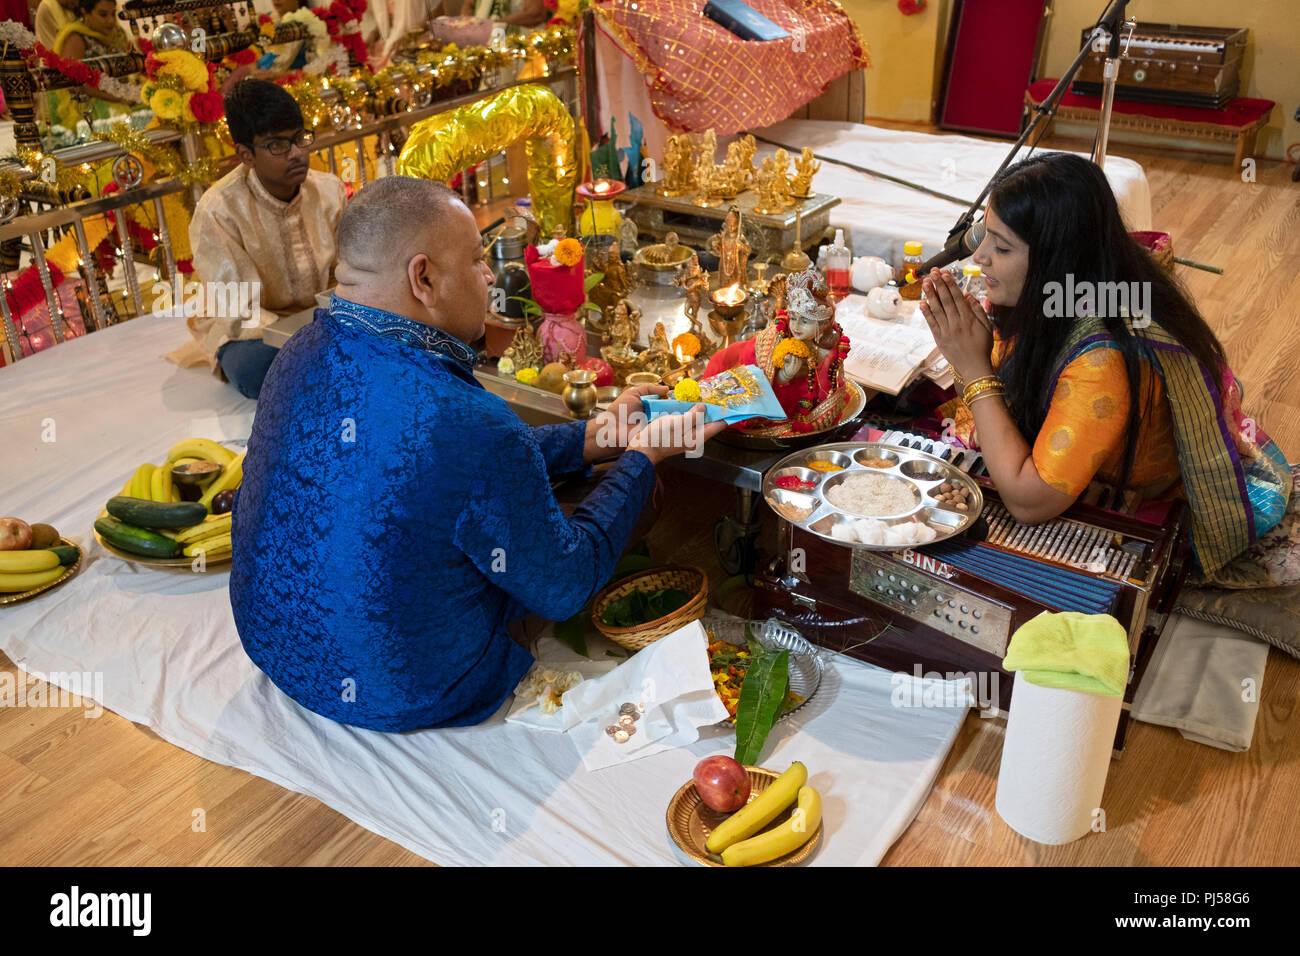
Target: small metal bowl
[195,472]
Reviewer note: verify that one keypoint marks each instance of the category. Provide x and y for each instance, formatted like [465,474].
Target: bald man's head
[410,246]
[391,220]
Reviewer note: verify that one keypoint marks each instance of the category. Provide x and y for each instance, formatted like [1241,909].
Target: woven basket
[690,579]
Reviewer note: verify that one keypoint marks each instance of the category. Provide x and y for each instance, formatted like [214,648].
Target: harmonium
[948,608]
[1170,63]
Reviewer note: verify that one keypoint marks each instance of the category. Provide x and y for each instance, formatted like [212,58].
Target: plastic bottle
[838,262]
[911,261]
[973,282]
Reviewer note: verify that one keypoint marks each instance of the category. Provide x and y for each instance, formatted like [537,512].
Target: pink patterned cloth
[561,332]
[702,76]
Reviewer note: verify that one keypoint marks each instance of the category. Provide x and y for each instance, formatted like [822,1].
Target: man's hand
[670,435]
[610,431]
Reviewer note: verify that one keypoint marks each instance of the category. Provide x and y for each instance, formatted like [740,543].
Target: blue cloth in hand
[744,392]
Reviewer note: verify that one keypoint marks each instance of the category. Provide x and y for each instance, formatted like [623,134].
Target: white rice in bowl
[873,495]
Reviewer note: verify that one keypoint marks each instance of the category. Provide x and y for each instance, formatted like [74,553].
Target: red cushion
[1239,112]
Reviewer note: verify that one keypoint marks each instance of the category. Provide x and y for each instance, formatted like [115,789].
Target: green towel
[1075,651]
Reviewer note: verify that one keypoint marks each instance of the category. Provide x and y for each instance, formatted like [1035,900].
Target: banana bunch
[211,536]
[735,837]
[152,482]
[23,570]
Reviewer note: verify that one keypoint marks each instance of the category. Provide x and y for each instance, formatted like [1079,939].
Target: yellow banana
[230,477]
[209,526]
[760,811]
[15,583]
[199,448]
[176,494]
[156,483]
[780,840]
[186,461]
[27,561]
[141,481]
[126,488]
[211,547]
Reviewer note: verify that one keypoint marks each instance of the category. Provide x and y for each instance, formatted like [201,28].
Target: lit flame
[602,187]
[681,357]
[731,295]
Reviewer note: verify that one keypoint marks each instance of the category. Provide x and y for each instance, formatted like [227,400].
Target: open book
[888,354]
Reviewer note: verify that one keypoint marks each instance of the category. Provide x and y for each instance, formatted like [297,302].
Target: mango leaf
[761,696]
[591,281]
[751,642]
[573,632]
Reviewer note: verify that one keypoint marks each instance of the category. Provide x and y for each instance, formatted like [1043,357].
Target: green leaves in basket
[639,607]
[761,697]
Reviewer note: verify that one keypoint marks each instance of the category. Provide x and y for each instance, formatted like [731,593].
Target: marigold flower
[688,343]
[166,104]
[568,252]
[790,346]
[687,390]
[526,376]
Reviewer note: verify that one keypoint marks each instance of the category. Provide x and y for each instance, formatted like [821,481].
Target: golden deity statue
[748,146]
[524,351]
[658,358]
[805,168]
[678,166]
[770,189]
[695,283]
[781,163]
[732,249]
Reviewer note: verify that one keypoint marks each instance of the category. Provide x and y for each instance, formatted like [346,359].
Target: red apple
[15,535]
[604,373]
[722,783]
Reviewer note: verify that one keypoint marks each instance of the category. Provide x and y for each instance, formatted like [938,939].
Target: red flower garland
[72,69]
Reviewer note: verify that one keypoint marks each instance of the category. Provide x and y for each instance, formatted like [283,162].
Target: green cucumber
[156,514]
[135,540]
[66,552]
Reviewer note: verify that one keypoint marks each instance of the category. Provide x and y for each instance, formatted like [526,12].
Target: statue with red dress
[802,353]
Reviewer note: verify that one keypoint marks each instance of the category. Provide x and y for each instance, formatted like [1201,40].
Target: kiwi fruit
[44,536]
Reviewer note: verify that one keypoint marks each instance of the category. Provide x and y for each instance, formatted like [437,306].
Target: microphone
[958,246]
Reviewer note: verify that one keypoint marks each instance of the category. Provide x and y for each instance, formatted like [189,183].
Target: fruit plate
[805,664]
[690,822]
[68,572]
[152,562]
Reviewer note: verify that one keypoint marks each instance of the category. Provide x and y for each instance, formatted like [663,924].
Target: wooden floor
[107,792]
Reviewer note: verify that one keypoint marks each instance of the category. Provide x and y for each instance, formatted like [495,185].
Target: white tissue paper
[527,710]
[670,679]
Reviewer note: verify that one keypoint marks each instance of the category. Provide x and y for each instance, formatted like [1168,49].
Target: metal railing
[30,228]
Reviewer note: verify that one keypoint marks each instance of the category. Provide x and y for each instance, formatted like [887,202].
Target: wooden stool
[1241,120]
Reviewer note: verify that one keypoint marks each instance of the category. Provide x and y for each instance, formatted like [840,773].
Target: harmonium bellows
[1170,63]
[951,607]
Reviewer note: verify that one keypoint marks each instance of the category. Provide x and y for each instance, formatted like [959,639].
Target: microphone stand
[1107,25]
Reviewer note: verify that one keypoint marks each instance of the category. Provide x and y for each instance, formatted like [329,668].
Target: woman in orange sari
[1102,372]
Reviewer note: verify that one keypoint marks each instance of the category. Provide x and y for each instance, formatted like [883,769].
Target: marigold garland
[568,252]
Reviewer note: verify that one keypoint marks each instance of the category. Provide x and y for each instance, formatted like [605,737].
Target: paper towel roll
[1054,760]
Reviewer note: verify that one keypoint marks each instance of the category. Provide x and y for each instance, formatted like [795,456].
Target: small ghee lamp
[600,216]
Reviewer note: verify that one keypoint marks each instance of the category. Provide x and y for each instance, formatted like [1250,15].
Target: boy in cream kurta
[269,225]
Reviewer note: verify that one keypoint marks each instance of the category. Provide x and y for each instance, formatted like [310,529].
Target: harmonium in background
[1170,63]
[949,608]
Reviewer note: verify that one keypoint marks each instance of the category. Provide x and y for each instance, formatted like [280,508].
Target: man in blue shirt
[394,515]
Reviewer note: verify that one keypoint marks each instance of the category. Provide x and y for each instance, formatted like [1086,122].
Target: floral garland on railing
[74,70]
[182,88]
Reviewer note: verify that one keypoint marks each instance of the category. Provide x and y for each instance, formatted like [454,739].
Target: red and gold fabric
[702,76]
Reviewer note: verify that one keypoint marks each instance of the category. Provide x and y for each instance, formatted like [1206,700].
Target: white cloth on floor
[1204,680]
[166,645]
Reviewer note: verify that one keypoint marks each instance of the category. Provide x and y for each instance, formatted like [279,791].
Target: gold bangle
[959,382]
[980,386]
[985,394]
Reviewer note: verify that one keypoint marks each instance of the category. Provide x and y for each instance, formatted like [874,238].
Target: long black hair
[1062,206]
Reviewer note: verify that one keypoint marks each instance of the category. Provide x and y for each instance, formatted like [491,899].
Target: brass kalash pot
[579,394]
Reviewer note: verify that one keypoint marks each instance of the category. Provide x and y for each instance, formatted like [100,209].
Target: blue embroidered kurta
[395,515]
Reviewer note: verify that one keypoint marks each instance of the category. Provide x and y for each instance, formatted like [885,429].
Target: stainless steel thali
[924,474]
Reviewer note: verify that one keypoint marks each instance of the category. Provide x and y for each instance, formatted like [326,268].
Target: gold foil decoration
[451,142]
